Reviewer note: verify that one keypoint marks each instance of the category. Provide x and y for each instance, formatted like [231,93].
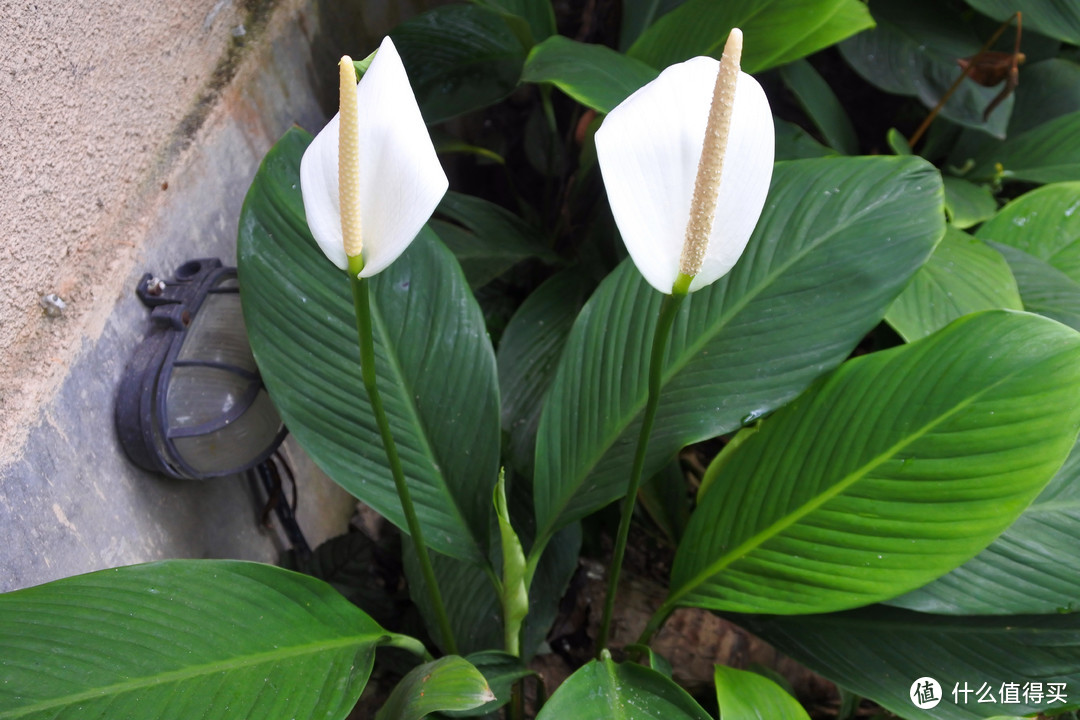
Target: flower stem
[661,335]
[361,302]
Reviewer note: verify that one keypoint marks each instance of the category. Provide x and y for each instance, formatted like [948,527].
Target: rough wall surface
[129,133]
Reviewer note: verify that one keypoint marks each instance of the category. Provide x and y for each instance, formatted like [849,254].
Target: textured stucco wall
[129,133]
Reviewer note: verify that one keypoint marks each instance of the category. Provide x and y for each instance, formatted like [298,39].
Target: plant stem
[365,336]
[661,334]
[655,623]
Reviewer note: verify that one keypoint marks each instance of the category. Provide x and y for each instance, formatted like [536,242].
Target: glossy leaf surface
[435,365]
[888,473]
[966,203]
[962,276]
[486,239]
[182,639]
[744,695]
[1032,568]
[459,58]
[776,31]
[1059,20]
[837,241]
[913,51]
[879,652]
[606,689]
[1048,153]
[449,683]
[1038,235]
[594,75]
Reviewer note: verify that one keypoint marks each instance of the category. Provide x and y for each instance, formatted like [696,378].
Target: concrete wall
[129,133]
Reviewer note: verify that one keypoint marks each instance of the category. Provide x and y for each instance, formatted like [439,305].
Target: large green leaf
[528,354]
[1044,223]
[1047,153]
[962,276]
[486,239]
[1039,235]
[1057,19]
[459,58]
[594,75]
[449,683]
[913,51]
[879,652]
[744,695]
[1047,90]
[539,15]
[183,639]
[1043,288]
[1032,568]
[888,473]
[639,14]
[435,365]
[776,31]
[794,143]
[621,691]
[837,241]
[821,105]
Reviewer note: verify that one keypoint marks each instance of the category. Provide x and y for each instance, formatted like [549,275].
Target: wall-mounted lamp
[191,403]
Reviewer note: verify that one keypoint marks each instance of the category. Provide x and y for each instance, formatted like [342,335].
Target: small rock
[52,304]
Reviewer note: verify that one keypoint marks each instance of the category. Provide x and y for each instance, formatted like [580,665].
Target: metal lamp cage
[191,402]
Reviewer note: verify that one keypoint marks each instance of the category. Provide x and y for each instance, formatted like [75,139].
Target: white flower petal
[401,180]
[649,148]
[319,186]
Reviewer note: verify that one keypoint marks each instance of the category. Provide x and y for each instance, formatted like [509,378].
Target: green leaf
[966,203]
[449,683]
[744,695]
[1044,223]
[1032,568]
[182,639]
[913,51]
[1039,235]
[640,14]
[837,241]
[594,75]
[473,603]
[605,689]
[879,652]
[486,239]
[539,15]
[1043,288]
[501,670]
[794,143]
[819,102]
[962,276]
[459,58]
[435,365]
[775,31]
[1047,90]
[1048,153]
[888,473]
[528,354]
[1059,20]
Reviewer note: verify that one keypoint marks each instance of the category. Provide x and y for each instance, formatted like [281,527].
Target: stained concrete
[70,502]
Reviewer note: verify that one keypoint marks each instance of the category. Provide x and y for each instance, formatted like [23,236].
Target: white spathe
[401,180]
[649,147]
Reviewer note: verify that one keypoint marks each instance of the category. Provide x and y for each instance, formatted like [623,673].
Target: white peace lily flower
[389,180]
[683,205]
